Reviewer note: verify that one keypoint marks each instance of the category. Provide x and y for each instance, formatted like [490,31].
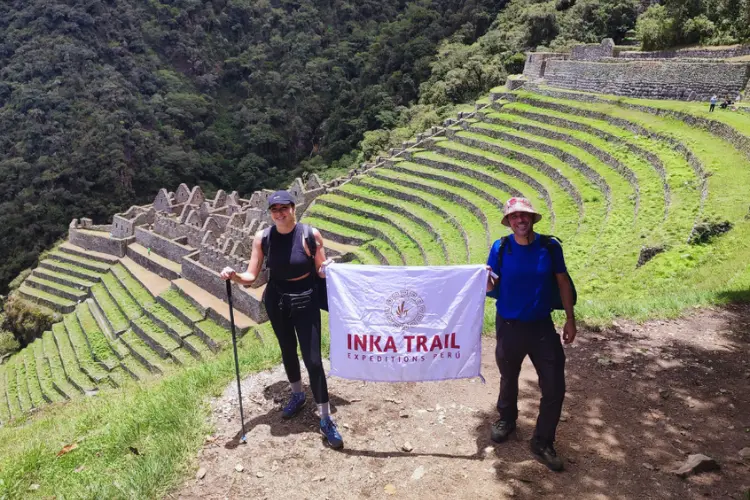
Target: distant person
[291,303]
[714,100]
[532,268]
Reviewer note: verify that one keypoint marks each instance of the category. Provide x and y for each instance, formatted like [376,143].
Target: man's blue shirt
[527,279]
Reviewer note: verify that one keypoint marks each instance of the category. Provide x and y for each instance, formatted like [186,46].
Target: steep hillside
[103,102]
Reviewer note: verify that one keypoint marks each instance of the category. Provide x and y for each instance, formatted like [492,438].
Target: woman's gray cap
[281,198]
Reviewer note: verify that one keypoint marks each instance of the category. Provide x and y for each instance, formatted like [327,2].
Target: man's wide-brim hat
[519,205]
[281,198]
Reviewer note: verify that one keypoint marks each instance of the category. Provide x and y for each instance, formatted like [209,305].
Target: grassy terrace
[334,229]
[71,269]
[143,352]
[396,238]
[680,177]
[474,227]
[22,385]
[35,387]
[563,205]
[101,349]
[78,261]
[133,286]
[158,338]
[170,320]
[621,218]
[68,359]
[107,304]
[11,390]
[178,301]
[4,410]
[58,377]
[81,349]
[426,241]
[450,235]
[44,373]
[45,297]
[121,296]
[64,291]
[693,274]
[51,275]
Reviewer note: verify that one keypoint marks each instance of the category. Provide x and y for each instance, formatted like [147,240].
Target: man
[529,277]
[714,100]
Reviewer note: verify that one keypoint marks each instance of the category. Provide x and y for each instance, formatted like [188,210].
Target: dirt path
[640,399]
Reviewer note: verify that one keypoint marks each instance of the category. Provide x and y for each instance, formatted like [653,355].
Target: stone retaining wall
[159,244]
[104,243]
[536,63]
[705,53]
[211,282]
[650,79]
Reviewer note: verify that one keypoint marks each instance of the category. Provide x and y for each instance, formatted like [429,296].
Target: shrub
[26,320]
[8,343]
[655,28]
[19,279]
[698,29]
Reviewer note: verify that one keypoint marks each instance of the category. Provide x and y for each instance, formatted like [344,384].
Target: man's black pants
[306,322]
[541,342]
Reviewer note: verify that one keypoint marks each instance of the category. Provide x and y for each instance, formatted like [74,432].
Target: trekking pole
[243,439]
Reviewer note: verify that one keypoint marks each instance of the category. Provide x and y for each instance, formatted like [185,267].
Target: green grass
[176,299]
[567,218]
[468,220]
[78,261]
[407,248]
[197,345]
[169,319]
[138,345]
[680,177]
[450,235]
[116,318]
[11,389]
[220,335]
[75,292]
[100,345]
[141,294]
[67,266]
[366,255]
[48,273]
[44,372]
[81,348]
[333,228]
[154,332]
[164,420]
[32,380]
[56,367]
[424,238]
[68,358]
[4,411]
[136,367]
[126,303]
[22,385]
[54,299]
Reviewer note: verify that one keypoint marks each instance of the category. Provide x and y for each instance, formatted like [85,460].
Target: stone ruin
[199,234]
[685,74]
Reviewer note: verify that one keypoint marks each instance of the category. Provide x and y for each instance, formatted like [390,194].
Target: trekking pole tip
[243,440]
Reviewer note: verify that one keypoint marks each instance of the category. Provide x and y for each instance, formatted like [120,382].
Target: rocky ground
[641,399]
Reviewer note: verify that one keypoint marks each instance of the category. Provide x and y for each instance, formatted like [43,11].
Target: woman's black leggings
[306,322]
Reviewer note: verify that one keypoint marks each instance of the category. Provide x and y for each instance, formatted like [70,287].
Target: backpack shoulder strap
[312,245]
[504,243]
[265,241]
[546,239]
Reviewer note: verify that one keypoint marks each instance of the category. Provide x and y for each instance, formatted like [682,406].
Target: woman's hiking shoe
[501,430]
[546,454]
[295,404]
[329,430]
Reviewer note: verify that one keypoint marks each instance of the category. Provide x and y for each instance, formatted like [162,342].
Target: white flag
[405,324]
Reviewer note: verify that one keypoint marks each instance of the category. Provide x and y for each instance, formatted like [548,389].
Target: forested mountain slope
[103,102]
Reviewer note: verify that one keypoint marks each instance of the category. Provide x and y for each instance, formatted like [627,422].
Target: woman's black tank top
[287,258]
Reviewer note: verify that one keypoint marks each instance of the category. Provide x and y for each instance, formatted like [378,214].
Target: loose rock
[695,464]
[239,468]
[201,473]
[407,447]
[259,474]
[418,473]
[745,453]
[390,489]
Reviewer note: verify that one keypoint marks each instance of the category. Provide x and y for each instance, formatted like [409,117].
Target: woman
[291,303]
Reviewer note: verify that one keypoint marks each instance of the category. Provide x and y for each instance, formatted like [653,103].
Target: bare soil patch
[640,399]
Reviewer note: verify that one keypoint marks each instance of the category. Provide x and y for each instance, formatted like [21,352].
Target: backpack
[546,241]
[320,286]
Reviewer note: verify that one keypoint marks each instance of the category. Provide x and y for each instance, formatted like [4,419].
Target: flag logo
[404,308]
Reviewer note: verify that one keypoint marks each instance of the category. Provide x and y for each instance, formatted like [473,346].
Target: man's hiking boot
[501,430]
[295,404]
[329,430]
[545,453]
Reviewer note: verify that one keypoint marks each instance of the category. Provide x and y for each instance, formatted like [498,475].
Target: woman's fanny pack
[295,302]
